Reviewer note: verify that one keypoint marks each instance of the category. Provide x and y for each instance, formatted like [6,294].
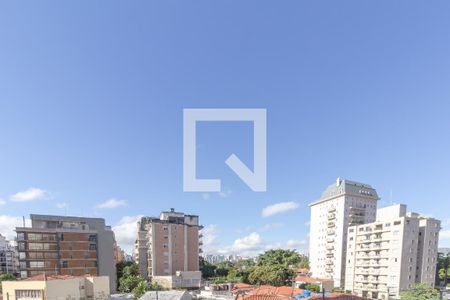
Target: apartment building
[169,245]
[342,204]
[60,245]
[391,254]
[9,263]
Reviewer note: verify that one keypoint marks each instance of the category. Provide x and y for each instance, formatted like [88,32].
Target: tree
[442,273]
[208,270]
[421,291]
[129,278]
[272,274]
[140,289]
[275,267]
[443,263]
[288,258]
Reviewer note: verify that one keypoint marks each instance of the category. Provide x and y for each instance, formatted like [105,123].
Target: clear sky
[92,93]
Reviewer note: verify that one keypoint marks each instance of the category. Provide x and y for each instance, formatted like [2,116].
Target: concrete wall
[10,287]
[72,288]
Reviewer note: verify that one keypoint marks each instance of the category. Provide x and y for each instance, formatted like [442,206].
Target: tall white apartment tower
[342,204]
[391,254]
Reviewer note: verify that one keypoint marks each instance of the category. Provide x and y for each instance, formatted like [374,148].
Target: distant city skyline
[92,99]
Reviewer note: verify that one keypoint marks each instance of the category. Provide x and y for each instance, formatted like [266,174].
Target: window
[28,294]
[92,238]
[20,236]
[92,247]
[21,246]
[22,255]
[64,264]
[41,246]
[36,264]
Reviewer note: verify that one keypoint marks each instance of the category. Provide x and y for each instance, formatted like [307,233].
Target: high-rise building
[391,254]
[168,246]
[342,204]
[60,245]
[9,262]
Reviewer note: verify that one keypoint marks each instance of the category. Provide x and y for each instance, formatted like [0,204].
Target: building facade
[9,260]
[391,254]
[57,287]
[169,245]
[342,204]
[59,245]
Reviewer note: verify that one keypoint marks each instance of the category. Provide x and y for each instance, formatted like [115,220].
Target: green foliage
[312,287]
[421,291]
[6,277]
[443,263]
[220,280]
[287,258]
[140,289]
[274,267]
[121,266]
[208,270]
[272,274]
[128,278]
[155,287]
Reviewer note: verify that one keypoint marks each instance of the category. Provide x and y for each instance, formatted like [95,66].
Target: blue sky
[92,93]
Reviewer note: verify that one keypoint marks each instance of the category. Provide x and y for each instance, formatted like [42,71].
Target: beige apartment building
[391,254]
[343,204]
[168,247]
[57,287]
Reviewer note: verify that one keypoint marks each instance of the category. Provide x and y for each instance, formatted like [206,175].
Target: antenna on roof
[23,221]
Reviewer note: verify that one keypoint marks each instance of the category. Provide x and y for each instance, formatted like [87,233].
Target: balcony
[330,247]
[332,209]
[331,216]
[329,262]
[331,224]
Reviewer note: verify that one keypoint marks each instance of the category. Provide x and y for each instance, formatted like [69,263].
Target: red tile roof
[242,287]
[268,292]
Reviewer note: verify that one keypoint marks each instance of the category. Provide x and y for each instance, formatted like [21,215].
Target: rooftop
[347,187]
[163,295]
[43,277]
[307,279]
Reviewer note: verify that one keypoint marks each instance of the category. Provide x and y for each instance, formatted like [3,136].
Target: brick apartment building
[58,245]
